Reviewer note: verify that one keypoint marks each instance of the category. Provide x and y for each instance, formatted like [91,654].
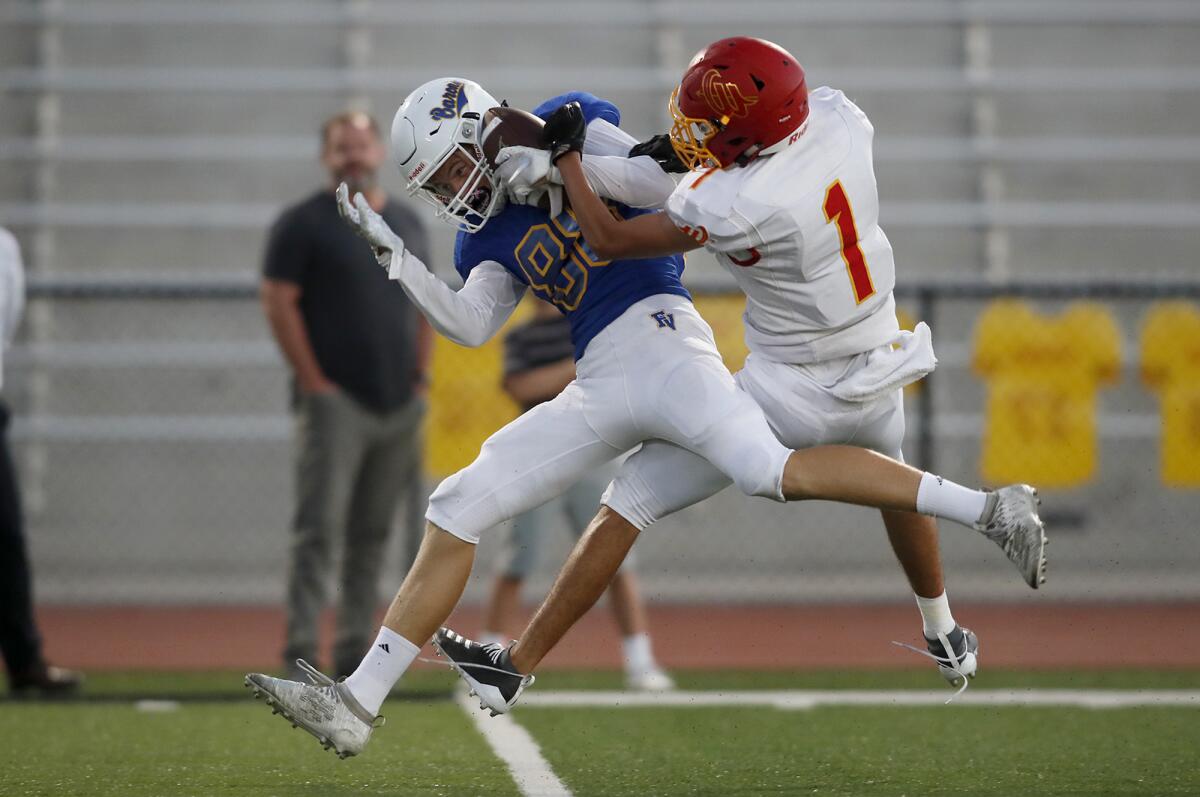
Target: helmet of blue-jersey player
[441,118]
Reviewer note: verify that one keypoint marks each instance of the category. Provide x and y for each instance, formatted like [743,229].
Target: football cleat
[1012,522]
[325,708]
[653,680]
[487,670]
[956,654]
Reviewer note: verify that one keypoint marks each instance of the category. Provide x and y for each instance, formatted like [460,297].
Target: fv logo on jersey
[664,318]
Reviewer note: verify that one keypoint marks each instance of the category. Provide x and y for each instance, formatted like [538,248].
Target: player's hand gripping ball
[513,146]
[565,131]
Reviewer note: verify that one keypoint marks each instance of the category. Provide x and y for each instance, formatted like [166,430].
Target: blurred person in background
[359,355]
[28,673]
[539,363]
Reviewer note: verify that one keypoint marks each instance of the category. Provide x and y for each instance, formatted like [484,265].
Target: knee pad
[448,511]
[761,471]
[631,498]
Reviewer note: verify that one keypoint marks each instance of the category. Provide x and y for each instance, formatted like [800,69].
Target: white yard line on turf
[806,699]
[513,745]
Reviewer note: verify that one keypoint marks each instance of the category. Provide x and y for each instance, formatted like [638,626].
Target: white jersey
[799,231]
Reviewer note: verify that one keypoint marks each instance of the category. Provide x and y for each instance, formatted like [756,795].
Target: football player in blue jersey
[647,368]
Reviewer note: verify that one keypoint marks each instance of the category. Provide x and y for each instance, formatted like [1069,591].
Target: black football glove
[659,147]
[565,131]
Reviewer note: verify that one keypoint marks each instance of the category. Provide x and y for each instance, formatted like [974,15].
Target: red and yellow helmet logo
[724,97]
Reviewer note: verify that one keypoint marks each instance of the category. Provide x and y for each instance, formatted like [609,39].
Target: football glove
[529,178]
[565,131]
[659,147]
[370,225]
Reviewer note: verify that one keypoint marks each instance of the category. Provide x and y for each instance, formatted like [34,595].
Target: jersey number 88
[556,260]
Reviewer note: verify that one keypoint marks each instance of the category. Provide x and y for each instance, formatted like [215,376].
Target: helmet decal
[455,106]
[454,100]
[724,97]
[739,99]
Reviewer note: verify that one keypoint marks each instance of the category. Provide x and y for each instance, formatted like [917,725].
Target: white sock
[935,615]
[638,656]
[490,637]
[377,673]
[943,498]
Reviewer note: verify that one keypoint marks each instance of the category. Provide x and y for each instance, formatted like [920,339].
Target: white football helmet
[439,118]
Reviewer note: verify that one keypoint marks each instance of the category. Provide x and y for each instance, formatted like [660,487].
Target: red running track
[1094,636]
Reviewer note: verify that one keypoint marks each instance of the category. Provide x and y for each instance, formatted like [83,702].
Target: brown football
[517,128]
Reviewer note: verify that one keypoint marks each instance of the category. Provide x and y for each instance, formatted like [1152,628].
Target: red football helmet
[739,98]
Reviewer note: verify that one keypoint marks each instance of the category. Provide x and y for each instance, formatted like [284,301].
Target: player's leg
[655,481]
[517,562]
[523,465]
[584,577]
[806,405]
[642,671]
[729,429]
[531,460]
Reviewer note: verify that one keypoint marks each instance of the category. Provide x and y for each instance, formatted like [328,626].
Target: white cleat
[654,680]
[1013,524]
[325,708]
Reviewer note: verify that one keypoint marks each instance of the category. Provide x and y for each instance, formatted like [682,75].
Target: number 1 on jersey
[838,211]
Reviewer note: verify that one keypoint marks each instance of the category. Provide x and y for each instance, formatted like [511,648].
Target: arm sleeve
[469,316]
[605,138]
[638,182]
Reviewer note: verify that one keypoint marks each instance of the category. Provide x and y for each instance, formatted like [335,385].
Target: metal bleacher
[149,142]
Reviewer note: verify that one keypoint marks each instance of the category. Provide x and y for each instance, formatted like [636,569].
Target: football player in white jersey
[781,188]
[647,368]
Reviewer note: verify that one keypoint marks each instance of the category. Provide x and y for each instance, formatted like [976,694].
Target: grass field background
[217,741]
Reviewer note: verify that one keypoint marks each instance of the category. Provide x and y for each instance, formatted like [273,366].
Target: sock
[638,656]
[377,673]
[943,498]
[935,615]
[490,637]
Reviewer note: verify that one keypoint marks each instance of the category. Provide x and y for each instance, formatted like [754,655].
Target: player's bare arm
[651,235]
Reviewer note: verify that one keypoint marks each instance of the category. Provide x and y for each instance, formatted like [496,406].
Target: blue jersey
[551,257]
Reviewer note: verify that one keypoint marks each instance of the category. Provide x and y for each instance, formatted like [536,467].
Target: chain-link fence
[156,458]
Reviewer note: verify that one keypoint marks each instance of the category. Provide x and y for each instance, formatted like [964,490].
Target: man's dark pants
[353,466]
[19,640]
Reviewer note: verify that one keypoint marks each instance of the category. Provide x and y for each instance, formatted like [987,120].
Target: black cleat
[956,654]
[487,669]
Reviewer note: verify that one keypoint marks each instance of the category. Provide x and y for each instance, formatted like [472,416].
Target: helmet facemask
[477,199]
[690,137]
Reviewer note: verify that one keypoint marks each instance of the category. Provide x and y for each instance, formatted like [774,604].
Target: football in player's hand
[516,128]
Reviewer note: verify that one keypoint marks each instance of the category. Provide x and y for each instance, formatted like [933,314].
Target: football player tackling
[647,369]
[781,188]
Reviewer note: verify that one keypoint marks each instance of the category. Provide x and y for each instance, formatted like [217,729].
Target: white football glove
[528,176]
[388,246]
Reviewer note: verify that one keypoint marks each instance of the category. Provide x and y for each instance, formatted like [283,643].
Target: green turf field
[217,741]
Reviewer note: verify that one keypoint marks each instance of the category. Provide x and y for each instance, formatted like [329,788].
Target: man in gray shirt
[358,352]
